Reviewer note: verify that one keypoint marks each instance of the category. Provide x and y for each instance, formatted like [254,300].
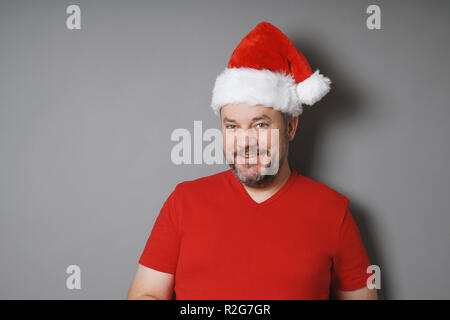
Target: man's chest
[260,249]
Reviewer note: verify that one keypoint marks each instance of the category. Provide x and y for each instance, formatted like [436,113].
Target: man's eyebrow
[262,117]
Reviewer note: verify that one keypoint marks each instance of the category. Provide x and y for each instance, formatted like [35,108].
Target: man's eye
[261,125]
[230,126]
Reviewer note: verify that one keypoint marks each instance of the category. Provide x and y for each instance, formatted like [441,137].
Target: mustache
[251,150]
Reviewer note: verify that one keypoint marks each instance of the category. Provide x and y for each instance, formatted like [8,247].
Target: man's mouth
[249,157]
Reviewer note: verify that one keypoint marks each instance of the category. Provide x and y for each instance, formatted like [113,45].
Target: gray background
[86,118]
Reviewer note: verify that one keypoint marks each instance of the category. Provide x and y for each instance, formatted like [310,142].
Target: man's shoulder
[203,184]
[323,193]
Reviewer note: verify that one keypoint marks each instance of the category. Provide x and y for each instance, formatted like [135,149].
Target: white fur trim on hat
[253,86]
[268,88]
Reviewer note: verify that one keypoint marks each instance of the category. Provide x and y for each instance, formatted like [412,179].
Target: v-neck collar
[239,187]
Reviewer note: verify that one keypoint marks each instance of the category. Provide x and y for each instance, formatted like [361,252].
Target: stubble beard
[259,180]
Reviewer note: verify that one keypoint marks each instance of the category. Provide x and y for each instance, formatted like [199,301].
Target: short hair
[286,118]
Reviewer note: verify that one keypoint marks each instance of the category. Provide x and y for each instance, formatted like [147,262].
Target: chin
[251,176]
[248,173]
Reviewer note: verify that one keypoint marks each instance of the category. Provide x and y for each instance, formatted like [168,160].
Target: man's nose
[247,138]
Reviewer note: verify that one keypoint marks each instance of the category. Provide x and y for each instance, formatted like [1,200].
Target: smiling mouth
[250,155]
[247,154]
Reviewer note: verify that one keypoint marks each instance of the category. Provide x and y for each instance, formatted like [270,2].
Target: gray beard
[260,180]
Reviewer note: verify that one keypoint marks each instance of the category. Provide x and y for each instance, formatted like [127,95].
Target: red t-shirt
[221,244]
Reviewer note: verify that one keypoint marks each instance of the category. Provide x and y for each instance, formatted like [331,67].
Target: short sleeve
[162,247]
[350,261]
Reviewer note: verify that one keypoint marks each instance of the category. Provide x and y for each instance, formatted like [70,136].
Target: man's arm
[150,284]
[363,293]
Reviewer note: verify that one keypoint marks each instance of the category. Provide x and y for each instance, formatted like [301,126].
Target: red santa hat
[267,69]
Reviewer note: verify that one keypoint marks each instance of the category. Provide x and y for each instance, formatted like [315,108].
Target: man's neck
[261,194]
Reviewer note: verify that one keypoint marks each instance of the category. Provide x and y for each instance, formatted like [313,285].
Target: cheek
[265,139]
[228,142]
[273,140]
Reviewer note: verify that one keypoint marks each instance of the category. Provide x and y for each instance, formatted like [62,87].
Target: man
[259,230]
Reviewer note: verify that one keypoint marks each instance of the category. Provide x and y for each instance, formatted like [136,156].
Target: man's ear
[292,128]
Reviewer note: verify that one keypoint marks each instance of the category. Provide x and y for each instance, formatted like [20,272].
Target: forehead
[243,112]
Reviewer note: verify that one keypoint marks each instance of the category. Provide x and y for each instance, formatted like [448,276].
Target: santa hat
[267,69]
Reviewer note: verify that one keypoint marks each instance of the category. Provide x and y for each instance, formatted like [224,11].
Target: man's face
[248,141]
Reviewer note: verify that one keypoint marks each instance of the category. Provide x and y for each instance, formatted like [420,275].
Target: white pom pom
[313,88]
